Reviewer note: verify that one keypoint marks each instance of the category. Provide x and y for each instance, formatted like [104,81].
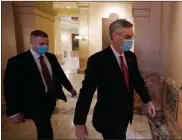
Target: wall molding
[30,8]
[141,12]
[36,5]
[82,5]
[45,15]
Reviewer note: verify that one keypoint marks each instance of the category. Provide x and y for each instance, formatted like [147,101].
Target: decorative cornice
[141,12]
[30,8]
[34,5]
[44,15]
[82,4]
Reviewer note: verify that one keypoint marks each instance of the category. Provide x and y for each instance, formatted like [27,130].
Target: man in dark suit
[114,73]
[33,81]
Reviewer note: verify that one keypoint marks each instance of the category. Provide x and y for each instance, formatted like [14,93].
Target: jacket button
[129,107]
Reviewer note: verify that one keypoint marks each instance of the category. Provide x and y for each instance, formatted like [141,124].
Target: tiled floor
[63,117]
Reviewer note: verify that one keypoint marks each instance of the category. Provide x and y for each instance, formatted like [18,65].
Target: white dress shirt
[117,55]
[37,61]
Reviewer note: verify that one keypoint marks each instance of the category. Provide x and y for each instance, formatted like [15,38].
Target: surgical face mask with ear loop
[127,45]
[42,49]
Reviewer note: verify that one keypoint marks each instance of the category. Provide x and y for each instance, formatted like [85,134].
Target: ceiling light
[78,37]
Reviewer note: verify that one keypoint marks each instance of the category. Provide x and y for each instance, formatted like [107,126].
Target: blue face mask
[127,45]
[42,49]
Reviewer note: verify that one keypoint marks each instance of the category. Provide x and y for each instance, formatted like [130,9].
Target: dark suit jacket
[113,99]
[23,86]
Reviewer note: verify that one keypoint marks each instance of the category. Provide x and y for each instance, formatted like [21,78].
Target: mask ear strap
[120,37]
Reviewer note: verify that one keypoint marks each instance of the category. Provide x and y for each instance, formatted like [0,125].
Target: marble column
[8,41]
[31,16]
[83,32]
[57,31]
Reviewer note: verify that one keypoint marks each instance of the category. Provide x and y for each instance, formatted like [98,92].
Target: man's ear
[32,38]
[114,35]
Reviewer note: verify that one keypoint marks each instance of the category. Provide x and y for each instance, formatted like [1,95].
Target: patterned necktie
[125,72]
[46,74]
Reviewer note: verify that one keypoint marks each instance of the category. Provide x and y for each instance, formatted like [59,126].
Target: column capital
[58,18]
[82,4]
[30,6]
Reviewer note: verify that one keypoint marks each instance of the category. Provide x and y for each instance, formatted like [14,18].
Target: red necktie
[46,74]
[125,72]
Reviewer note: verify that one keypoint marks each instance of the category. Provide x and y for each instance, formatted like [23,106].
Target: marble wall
[147,23]
[8,34]
[8,40]
[174,50]
[174,74]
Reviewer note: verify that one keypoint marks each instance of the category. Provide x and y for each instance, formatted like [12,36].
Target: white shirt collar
[35,54]
[116,53]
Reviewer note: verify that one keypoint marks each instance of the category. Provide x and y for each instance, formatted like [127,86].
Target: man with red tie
[33,81]
[114,73]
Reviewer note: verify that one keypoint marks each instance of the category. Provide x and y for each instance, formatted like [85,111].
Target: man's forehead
[42,38]
[39,38]
[128,31]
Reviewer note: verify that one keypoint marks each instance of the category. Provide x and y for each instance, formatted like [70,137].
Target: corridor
[63,117]
[78,30]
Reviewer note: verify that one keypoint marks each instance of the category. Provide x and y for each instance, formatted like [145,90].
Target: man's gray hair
[118,25]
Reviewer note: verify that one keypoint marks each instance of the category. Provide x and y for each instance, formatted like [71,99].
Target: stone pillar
[83,32]
[31,16]
[57,31]
[8,40]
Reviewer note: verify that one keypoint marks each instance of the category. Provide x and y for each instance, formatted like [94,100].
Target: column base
[81,71]
[59,58]
[83,65]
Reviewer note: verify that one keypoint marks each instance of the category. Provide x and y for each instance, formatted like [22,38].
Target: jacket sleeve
[87,91]
[11,89]
[140,85]
[64,80]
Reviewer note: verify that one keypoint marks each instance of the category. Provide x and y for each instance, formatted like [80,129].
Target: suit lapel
[113,63]
[49,59]
[116,66]
[51,62]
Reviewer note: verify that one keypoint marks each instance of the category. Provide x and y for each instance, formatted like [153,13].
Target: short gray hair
[119,24]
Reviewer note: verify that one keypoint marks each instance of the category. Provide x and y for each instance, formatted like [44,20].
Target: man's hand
[81,131]
[150,109]
[17,119]
[73,93]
